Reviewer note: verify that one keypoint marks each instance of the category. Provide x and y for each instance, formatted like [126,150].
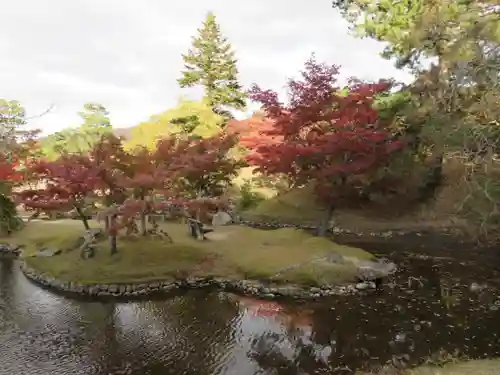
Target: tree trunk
[325,221]
[112,244]
[199,195]
[82,217]
[142,219]
[142,224]
[112,235]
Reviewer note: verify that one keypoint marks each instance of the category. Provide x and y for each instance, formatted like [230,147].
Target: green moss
[477,367]
[146,262]
[231,252]
[295,206]
[62,234]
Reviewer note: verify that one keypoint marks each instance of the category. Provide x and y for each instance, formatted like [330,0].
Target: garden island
[279,202]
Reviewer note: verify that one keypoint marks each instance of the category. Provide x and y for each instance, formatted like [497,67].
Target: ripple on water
[431,307]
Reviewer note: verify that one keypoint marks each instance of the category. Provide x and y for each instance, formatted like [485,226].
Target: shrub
[247,197]
[9,220]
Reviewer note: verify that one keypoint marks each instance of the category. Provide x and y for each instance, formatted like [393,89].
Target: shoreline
[429,242]
[252,288]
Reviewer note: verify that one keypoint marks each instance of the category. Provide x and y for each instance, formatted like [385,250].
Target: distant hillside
[123,132]
[119,132]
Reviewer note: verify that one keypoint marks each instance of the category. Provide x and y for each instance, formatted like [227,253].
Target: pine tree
[211,62]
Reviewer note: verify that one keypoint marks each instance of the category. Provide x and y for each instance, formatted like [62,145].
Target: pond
[432,307]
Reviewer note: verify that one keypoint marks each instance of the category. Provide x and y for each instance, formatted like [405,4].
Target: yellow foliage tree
[187,118]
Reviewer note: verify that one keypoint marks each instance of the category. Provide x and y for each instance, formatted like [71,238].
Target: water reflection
[430,308]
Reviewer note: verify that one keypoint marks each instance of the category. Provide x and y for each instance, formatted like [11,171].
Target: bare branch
[50,108]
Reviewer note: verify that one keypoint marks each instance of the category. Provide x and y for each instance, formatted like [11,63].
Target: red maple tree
[203,167]
[64,184]
[112,162]
[9,170]
[326,134]
[140,179]
[144,178]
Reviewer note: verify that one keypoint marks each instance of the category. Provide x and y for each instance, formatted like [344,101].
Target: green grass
[62,234]
[298,206]
[473,367]
[231,252]
[478,367]
[295,206]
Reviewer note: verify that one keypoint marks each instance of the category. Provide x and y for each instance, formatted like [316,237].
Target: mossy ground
[298,206]
[478,367]
[472,367]
[232,252]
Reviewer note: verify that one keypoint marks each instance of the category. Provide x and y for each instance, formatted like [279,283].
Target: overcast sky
[126,54]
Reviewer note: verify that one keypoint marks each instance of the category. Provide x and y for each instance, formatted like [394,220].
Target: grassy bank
[298,206]
[478,367]
[475,367]
[231,252]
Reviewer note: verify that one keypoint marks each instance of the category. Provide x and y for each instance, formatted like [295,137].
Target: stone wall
[9,250]
[244,287]
[334,230]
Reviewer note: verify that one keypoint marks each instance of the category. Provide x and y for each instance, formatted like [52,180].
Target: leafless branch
[50,108]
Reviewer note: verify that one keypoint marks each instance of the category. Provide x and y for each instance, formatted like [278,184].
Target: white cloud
[126,54]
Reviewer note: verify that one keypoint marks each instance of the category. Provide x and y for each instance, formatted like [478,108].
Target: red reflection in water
[271,309]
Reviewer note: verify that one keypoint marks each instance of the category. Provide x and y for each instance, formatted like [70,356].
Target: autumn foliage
[179,175]
[64,184]
[204,165]
[9,170]
[327,135]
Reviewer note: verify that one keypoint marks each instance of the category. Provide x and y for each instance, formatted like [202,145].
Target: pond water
[205,333]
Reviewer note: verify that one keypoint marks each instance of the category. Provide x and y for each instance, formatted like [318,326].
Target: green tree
[454,95]
[462,39]
[211,63]
[59,143]
[12,145]
[96,123]
[12,120]
[95,115]
[416,29]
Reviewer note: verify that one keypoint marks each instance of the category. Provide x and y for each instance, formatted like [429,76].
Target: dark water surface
[216,333]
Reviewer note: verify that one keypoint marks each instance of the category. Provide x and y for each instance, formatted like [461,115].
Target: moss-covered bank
[477,367]
[473,367]
[264,261]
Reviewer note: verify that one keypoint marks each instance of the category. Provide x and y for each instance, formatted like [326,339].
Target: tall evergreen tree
[211,62]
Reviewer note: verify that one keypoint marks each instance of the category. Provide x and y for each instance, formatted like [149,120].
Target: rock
[400,337]
[47,252]
[475,287]
[268,296]
[364,285]
[7,249]
[371,270]
[335,258]
[221,218]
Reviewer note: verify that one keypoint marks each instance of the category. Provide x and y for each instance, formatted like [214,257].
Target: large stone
[221,218]
[47,252]
[371,270]
[335,258]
